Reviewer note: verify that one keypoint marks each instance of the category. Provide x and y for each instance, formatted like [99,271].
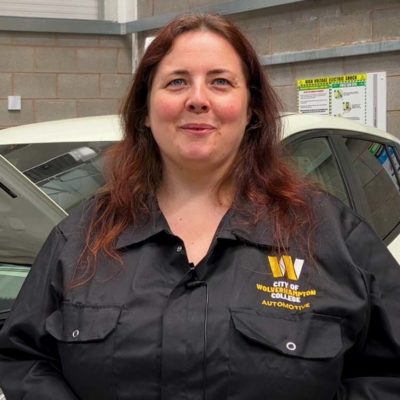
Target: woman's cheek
[233,111]
[165,109]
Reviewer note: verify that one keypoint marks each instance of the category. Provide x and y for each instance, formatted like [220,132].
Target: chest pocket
[307,336]
[85,337]
[81,323]
[283,354]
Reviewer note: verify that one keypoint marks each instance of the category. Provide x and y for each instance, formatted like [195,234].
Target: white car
[48,168]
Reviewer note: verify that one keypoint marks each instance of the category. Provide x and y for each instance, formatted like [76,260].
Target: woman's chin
[196,154]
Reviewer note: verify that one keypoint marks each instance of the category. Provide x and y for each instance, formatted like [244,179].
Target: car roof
[108,128]
[295,123]
[100,128]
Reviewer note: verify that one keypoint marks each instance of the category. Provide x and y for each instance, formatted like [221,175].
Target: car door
[26,217]
[361,170]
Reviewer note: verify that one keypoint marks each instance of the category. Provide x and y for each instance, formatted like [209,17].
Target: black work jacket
[243,325]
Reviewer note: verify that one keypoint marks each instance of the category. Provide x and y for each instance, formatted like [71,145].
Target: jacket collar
[146,228]
[234,226]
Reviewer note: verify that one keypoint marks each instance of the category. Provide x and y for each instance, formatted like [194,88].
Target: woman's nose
[197,100]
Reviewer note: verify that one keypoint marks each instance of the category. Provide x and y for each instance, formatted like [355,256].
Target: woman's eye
[221,82]
[177,83]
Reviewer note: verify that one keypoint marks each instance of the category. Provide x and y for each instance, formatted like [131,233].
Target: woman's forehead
[201,50]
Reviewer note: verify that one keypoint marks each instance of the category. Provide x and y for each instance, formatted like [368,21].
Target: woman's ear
[147,122]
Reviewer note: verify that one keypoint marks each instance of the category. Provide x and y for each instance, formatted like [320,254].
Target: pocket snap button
[291,346]
[75,333]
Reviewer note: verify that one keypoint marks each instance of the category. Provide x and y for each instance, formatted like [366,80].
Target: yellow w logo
[286,266]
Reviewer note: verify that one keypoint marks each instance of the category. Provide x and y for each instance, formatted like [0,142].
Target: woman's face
[199,102]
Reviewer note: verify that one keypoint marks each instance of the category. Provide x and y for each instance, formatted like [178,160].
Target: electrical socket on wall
[14,103]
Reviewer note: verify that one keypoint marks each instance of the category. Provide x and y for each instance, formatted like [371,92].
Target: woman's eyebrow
[210,72]
[219,71]
[178,72]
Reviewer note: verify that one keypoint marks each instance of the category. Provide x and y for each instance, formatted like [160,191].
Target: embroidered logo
[286,266]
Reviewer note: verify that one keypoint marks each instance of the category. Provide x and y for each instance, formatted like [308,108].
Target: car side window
[11,280]
[377,167]
[314,158]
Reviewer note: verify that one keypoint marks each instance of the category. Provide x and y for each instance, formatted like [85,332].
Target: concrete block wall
[62,75]
[313,25]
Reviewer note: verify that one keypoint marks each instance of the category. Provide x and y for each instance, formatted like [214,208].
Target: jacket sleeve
[29,365]
[372,367]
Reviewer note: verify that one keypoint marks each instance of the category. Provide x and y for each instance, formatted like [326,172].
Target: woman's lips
[199,129]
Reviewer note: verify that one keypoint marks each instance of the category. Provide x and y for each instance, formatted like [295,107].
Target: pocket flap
[308,336]
[81,323]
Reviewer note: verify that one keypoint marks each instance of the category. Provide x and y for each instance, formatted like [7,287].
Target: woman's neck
[184,188]
[194,209]
[202,183]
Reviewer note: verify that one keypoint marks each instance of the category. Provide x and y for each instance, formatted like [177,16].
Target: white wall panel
[75,9]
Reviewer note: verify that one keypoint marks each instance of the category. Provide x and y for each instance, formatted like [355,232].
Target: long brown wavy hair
[134,165]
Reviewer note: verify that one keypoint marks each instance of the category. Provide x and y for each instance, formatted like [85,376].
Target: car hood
[27,216]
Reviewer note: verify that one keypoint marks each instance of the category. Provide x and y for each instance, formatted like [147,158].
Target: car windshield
[67,172]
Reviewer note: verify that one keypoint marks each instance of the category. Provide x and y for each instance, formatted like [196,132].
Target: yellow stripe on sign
[289,267]
[275,268]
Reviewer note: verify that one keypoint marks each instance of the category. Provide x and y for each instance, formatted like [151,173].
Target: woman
[204,269]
